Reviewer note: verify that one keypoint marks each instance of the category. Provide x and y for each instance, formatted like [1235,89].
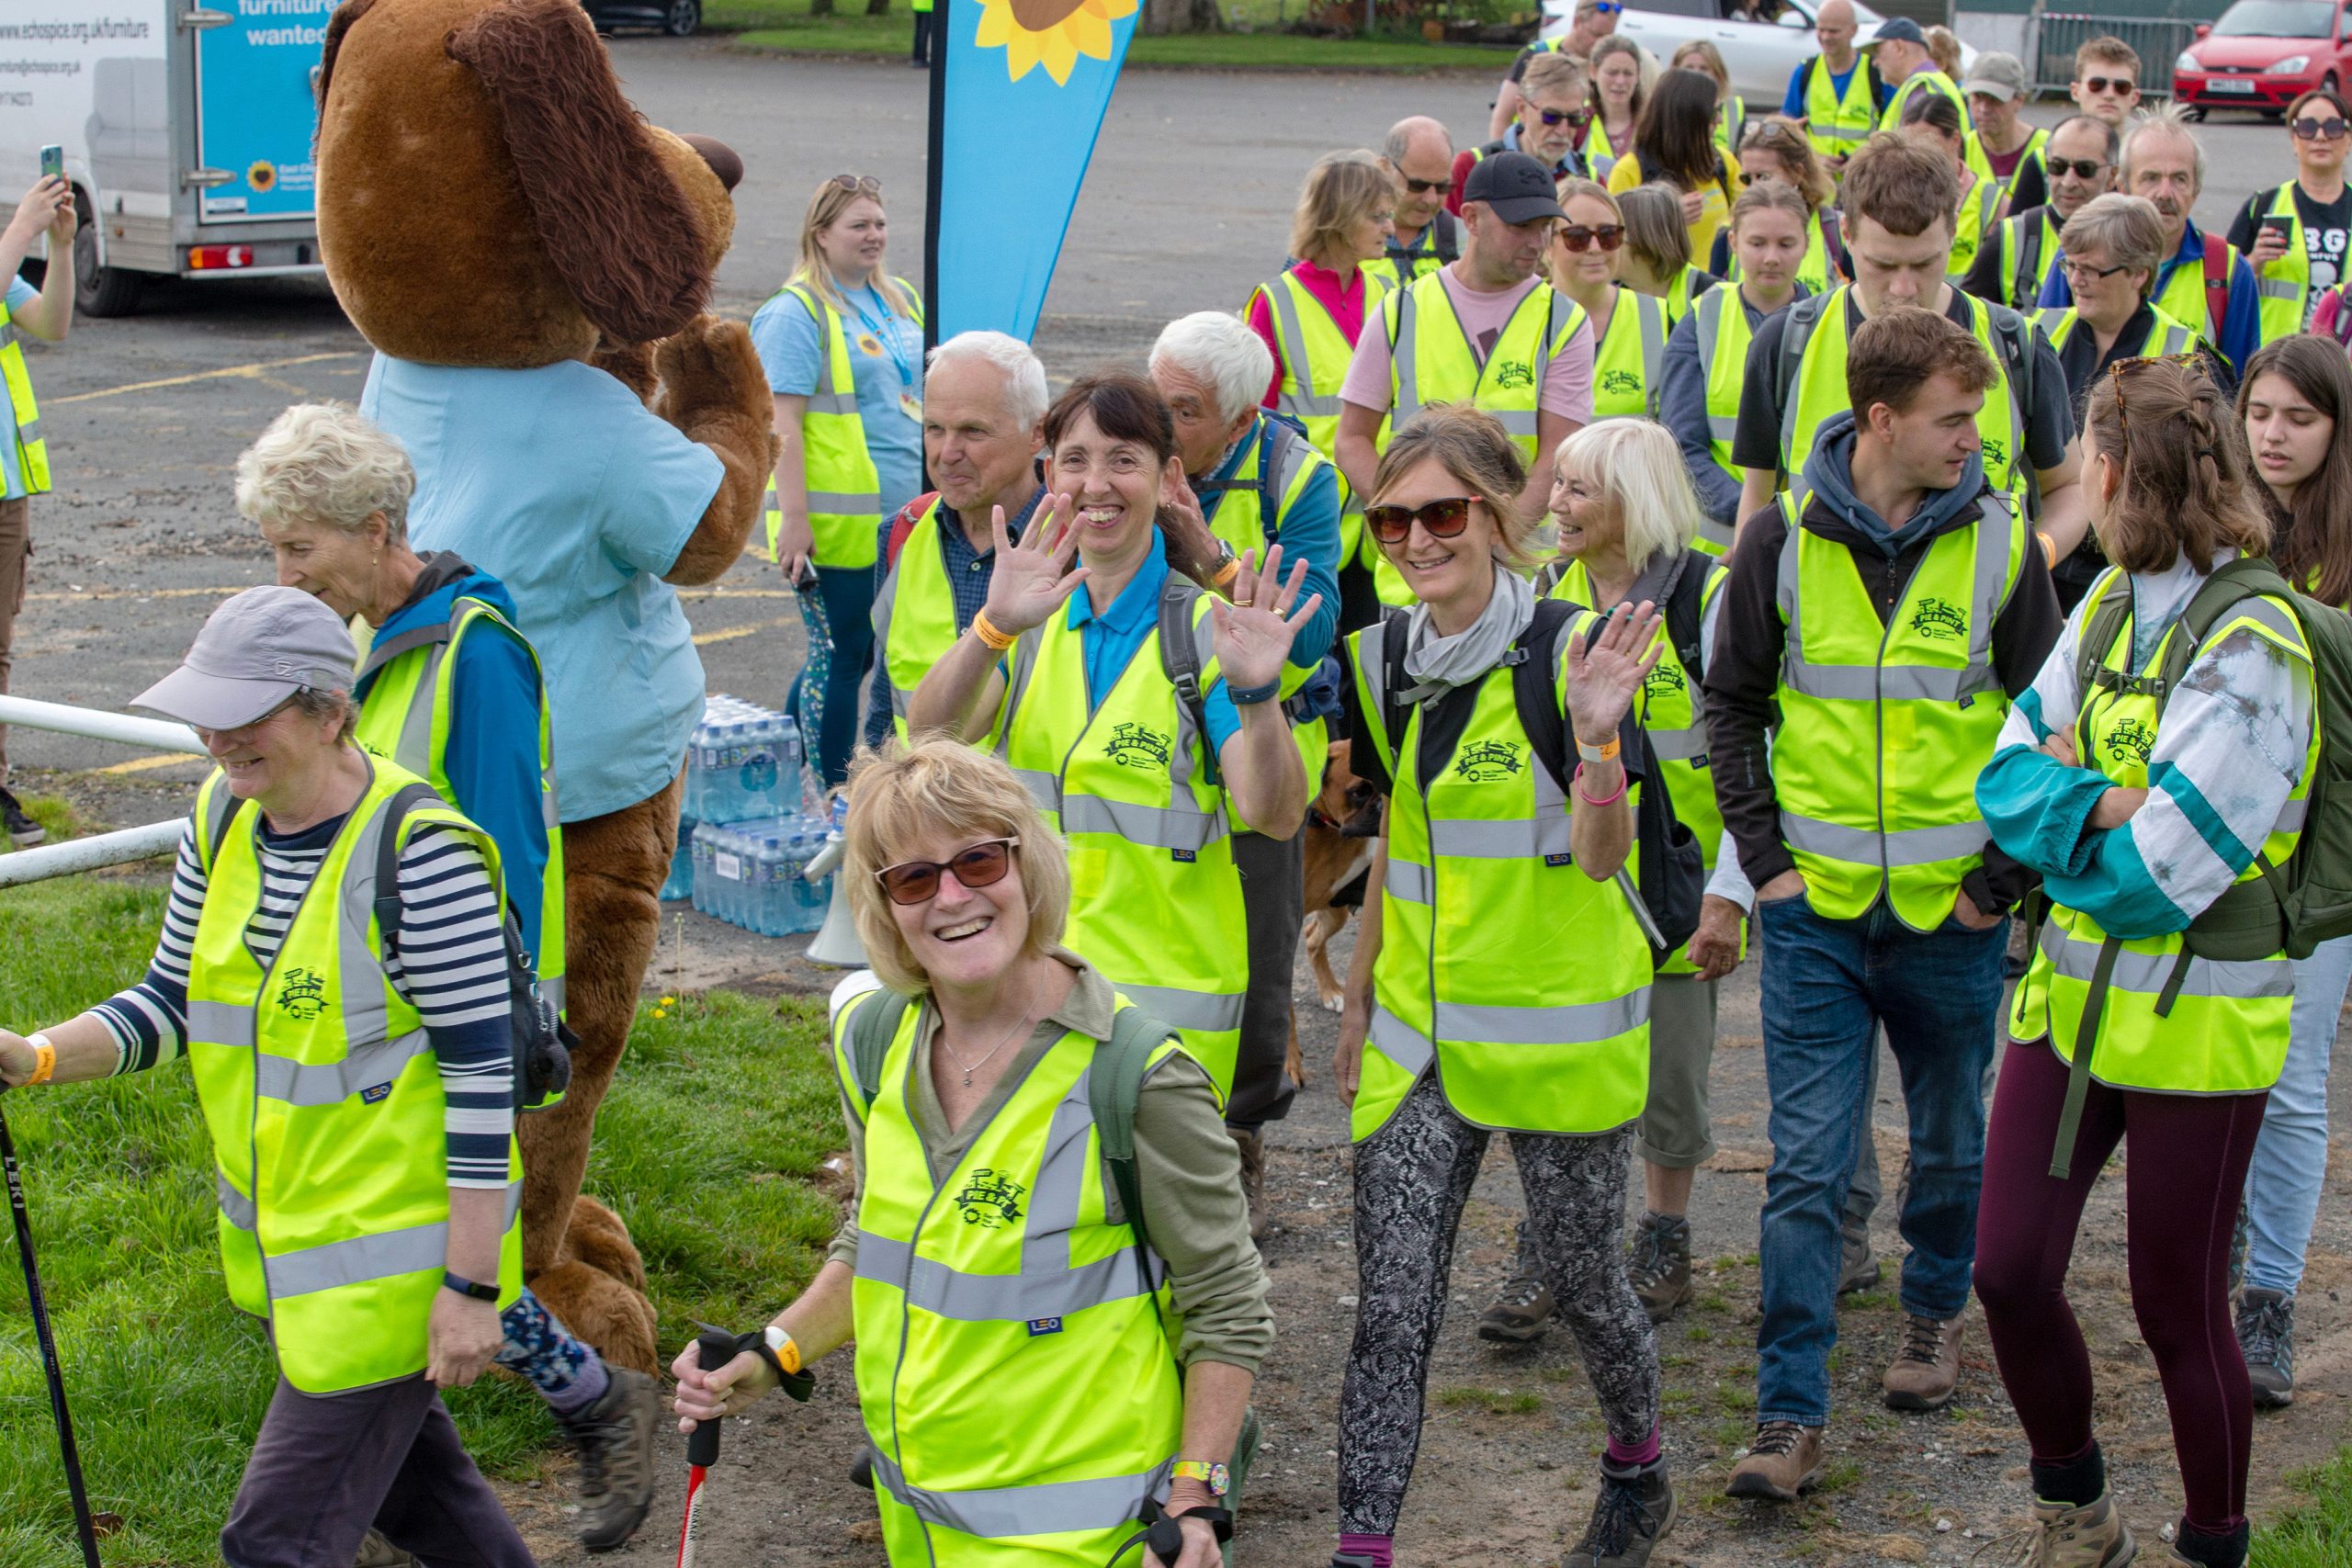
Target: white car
[1760,55]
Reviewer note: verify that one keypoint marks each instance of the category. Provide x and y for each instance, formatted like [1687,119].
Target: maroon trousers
[2185,1170]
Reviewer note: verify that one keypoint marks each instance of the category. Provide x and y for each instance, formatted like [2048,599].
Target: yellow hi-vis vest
[1731,119]
[1625,361]
[1315,362]
[1927,79]
[1884,726]
[2225,1031]
[1523,981]
[1155,897]
[1979,214]
[405,716]
[324,1104]
[1673,712]
[1015,1362]
[2028,251]
[1438,243]
[33,448]
[1837,124]
[2182,295]
[1724,333]
[2031,155]
[845,491]
[914,614]
[1813,268]
[1431,361]
[2283,288]
[1598,155]
[1819,326]
[2166,338]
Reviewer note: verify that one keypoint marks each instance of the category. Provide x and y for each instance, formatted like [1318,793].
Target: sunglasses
[1578,238]
[1606,8]
[1438,519]
[2117,372]
[2121,86]
[917,881]
[2081,168]
[863,185]
[1427,187]
[2317,130]
[1578,117]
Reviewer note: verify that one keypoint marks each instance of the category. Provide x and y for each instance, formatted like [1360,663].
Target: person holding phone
[46,313]
[2294,236]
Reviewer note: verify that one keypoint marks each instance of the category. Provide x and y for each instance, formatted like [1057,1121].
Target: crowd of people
[1880,537]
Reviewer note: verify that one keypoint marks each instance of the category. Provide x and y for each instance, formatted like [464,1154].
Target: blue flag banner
[1019,97]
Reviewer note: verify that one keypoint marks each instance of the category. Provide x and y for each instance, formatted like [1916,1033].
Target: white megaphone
[836,945]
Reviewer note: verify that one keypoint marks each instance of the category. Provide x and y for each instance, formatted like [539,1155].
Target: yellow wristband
[1225,575]
[985,629]
[44,1058]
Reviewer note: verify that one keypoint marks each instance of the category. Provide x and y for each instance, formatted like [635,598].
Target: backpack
[903,524]
[1179,658]
[1877,84]
[2218,261]
[1665,896]
[1280,439]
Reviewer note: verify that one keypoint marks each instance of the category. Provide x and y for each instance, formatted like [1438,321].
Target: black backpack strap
[1530,689]
[1395,713]
[1179,657]
[388,860]
[872,1026]
[1683,597]
[1448,238]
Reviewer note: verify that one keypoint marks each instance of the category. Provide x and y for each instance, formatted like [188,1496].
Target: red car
[2263,53]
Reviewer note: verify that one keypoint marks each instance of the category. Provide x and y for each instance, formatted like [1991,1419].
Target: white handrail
[95,723]
[44,860]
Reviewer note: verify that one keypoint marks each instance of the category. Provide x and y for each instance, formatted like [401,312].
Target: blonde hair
[1340,188]
[1638,467]
[1786,140]
[1544,72]
[1473,446]
[1943,48]
[1655,233]
[826,206]
[939,787]
[1707,53]
[325,463]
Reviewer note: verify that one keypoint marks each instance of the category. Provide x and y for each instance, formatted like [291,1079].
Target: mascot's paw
[710,369]
[630,364]
[598,1238]
[601,1310]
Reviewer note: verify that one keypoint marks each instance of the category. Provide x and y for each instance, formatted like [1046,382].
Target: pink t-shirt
[1567,376]
[1344,303]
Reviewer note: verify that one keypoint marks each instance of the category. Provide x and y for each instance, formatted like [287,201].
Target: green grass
[722,1102]
[2317,1534]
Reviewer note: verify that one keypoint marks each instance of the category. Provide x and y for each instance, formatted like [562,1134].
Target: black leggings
[1412,1177]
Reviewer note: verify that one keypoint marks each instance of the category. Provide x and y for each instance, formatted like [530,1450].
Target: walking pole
[83,1523]
[716,1347]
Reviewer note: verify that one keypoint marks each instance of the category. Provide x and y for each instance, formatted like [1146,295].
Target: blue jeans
[2282,1185]
[1826,987]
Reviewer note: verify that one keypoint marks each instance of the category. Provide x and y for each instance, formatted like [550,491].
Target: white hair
[323,463]
[1219,348]
[2168,120]
[1638,465]
[1023,373]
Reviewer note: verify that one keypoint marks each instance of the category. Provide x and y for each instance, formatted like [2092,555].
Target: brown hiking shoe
[1784,1461]
[1520,1315]
[1658,1264]
[2063,1535]
[615,1438]
[1251,1142]
[1927,1369]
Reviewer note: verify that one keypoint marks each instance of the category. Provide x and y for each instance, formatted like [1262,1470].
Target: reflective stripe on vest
[1154,898]
[2027,256]
[2182,295]
[1837,123]
[33,448]
[1862,701]
[1820,392]
[1598,155]
[2166,336]
[1978,215]
[914,612]
[1478,855]
[326,1110]
[844,492]
[2284,286]
[1625,362]
[1315,362]
[1925,79]
[1724,333]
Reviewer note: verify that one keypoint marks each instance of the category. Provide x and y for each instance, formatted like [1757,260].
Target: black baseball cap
[1515,186]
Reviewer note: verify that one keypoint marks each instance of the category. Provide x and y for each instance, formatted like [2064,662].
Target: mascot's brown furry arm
[488,200]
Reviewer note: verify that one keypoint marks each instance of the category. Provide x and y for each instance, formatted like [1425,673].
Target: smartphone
[53,161]
[2278,224]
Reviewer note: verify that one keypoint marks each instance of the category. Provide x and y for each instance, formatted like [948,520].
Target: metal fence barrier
[2158,40]
[45,861]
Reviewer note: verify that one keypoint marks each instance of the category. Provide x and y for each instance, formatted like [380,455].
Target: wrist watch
[468,1288]
[1214,1476]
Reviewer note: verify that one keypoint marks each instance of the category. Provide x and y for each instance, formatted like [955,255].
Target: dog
[1341,826]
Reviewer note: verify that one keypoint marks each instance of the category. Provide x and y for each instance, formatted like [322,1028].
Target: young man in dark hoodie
[1889,606]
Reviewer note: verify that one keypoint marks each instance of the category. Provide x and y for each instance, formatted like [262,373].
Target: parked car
[679,18]
[1760,55]
[2263,53]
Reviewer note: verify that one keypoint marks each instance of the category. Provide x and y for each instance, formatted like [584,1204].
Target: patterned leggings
[565,1369]
[1412,1177]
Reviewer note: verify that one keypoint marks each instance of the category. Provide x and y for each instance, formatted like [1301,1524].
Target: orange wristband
[44,1059]
[985,629]
[2049,548]
[1605,752]
[1225,575]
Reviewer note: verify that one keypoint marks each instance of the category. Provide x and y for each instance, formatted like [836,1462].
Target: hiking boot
[1857,1268]
[614,1437]
[2267,1340]
[1658,1264]
[1521,1314]
[23,831]
[1251,1142]
[375,1552]
[1784,1461]
[1632,1515]
[1927,1369]
[2063,1535]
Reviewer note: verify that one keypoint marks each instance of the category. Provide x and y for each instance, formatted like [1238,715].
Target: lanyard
[884,335]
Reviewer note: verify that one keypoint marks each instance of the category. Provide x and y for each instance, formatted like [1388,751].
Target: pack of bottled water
[680,884]
[751,873]
[743,762]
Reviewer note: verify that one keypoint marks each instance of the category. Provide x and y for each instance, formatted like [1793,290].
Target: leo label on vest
[377,1094]
[1041,1326]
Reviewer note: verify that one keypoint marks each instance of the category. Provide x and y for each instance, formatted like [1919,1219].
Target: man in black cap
[1486,329]
[1899,49]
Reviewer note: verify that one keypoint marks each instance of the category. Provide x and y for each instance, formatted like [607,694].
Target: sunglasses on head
[917,881]
[1577,237]
[2081,168]
[2309,130]
[864,184]
[1606,8]
[2121,86]
[1578,117]
[1426,187]
[1438,519]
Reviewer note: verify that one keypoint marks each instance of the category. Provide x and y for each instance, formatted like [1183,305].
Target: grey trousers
[1273,898]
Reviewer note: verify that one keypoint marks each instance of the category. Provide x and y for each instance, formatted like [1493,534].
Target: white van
[187,127]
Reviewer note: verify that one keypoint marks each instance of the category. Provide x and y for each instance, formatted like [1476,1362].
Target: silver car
[1760,55]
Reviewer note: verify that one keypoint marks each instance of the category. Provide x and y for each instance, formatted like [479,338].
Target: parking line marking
[729,633]
[142,765]
[234,372]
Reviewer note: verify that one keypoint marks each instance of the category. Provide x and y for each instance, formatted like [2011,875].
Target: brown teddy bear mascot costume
[493,212]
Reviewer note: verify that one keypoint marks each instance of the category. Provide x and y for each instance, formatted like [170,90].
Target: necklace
[968,1068]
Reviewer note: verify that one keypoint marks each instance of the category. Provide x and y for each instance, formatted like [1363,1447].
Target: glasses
[2083,272]
[1578,117]
[1438,519]
[2081,168]
[2308,130]
[862,185]
[917,881]
[2121,86]
[1426,187]
[1578,238]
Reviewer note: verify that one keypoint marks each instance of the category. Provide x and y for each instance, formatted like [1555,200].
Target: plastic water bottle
[791,757]
[681,881]
[810,900]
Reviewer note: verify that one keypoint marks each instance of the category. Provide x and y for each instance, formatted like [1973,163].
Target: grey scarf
[1438,663]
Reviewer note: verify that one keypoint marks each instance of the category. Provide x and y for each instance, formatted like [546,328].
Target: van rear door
[256,111]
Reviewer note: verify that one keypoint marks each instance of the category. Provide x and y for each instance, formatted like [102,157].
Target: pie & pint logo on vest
[1487,761]
[989,1200]
[1938,620]
[1620,381]
[304,995]
[1511,374]
[2132,739]
[1138,745]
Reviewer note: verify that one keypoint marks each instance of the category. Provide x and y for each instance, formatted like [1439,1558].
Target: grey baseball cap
[1997,75]
[257,650]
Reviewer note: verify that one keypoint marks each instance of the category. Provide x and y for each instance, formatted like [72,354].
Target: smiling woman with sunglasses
[2294,237]
[1019,1356]
[1628,328]
[1500,979]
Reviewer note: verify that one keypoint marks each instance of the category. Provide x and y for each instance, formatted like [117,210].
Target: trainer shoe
[2267,1340]
[1632,1515]
[1520,1313]
[1658,1264]
[1926,1371]
[1251,1143]
[23,831]
[375,1552]
[1857,1268]
[615,1437]
[1784,1461]
[2063,1535]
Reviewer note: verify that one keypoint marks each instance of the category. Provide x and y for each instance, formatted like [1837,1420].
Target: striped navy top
[451,967]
